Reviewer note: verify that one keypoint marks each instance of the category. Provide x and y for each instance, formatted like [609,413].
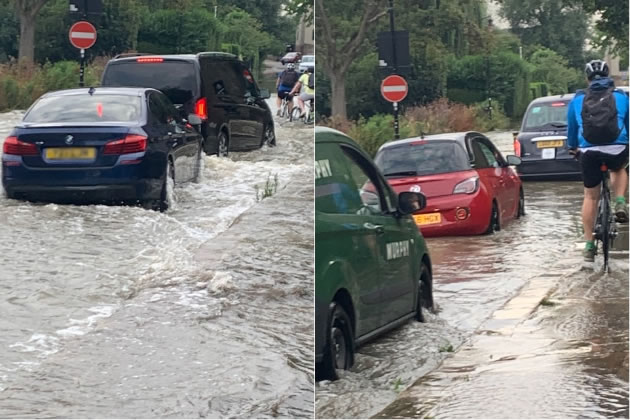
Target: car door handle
[379,229]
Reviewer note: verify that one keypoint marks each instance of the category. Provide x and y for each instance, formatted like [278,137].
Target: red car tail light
[150,60]
[201,109]
[13,146]
[467,186]
[517,147]
[130,144]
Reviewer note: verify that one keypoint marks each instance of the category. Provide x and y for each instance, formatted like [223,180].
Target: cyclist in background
[307,84]
[285,84]
[598,127]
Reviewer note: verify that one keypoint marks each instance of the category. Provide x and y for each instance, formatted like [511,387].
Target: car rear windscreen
[175,78]
[85,108]
[423,158]
[546,115]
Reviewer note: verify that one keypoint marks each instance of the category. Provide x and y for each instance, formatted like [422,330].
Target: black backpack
[599,116]
[311,80]
[289,78]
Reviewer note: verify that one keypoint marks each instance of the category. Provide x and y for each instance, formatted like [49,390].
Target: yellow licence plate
[549,143]
[70,153]
[427,219]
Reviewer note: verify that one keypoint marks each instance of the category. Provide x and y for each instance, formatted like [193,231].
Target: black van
[217,87]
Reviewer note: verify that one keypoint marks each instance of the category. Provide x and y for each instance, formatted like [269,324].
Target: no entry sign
[394,88]
[82,35]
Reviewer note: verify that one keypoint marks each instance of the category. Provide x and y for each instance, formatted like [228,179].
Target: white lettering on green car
[322,169]
[397,250]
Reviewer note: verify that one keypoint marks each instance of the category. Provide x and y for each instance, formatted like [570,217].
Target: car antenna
[91,91]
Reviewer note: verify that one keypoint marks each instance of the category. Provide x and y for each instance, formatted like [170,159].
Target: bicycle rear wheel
[605,216]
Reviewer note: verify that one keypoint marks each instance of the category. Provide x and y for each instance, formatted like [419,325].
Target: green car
[372,266]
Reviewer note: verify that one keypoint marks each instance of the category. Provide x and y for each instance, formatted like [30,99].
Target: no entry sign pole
[82,36]
[395,104]
[394,88]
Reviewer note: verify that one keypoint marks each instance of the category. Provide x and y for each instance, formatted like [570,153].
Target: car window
[546,115]
[85,108]
[479,157]
[335,190]
[365,182]
[176,79]
[223,77]
[422,158]
[489,155]
[250,84]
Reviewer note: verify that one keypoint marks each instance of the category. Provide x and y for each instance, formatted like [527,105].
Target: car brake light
[517,147]
[13,146]
[150,60]
[130,144]
[555,104]
[467,186]
[201,109]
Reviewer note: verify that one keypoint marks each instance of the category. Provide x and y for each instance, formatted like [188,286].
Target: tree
[342,28]
[551,68]
[612,22]
[27,12]
[555,24]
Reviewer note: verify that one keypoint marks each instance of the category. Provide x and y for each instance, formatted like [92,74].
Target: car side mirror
[513,160]
[194,119]
[264,93]
[410,202]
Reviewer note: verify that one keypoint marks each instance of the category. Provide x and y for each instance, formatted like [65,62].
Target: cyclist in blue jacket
[613,151]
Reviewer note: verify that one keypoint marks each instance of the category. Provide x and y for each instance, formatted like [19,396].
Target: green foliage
[551,68]
[538,89]
[269,189]
[612,23]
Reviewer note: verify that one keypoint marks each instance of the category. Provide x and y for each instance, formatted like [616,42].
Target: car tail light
[557,104]
[517,147]
[467,186]
[461,213]
[130,144]
[150,60]
[13,146]
[201,109]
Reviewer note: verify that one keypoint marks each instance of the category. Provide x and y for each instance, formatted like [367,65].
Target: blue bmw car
[101,145]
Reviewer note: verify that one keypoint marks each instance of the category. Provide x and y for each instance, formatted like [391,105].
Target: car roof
[459,137]
[546,99]
[130,91]
[182,57]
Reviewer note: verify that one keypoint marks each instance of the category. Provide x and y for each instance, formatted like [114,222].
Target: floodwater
[203,311]
[474,277]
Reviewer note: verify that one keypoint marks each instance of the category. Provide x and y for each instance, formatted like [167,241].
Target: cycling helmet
[596,68]
[290,66]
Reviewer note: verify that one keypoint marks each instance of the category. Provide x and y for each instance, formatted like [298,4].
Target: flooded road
[473,278]
[123,312]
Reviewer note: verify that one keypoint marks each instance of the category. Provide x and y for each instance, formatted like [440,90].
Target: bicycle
[605,230]
[284,107]
[308,112]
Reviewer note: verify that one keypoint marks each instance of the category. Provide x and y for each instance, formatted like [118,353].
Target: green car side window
[334,189]
[367,189]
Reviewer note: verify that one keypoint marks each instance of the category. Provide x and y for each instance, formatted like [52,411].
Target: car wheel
[494,223]
[222,144]
[167,195]
[269,136]
[200,165]
[425,293]
[339,352]
[521,205]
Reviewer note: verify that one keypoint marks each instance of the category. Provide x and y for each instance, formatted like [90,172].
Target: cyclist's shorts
[591,161]
[306,97]
[284,94]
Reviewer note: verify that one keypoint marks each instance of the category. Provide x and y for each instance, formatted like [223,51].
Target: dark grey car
[542,141]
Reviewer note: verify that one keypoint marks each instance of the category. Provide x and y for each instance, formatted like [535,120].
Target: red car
[292,57]
[470,188]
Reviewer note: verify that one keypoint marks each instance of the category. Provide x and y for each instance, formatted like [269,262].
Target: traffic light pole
[395,65]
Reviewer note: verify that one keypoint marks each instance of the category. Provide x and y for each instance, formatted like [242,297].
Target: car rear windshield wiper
[558,124]
[402,173]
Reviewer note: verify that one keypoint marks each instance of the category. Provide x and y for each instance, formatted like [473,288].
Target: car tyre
[521,205]
[425,293]
[169,182]
[269,136]
[339,350]
[200,165]
[494,225]
[223,144]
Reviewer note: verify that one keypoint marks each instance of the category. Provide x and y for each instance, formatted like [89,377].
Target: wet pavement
[203,311]
[474,279]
